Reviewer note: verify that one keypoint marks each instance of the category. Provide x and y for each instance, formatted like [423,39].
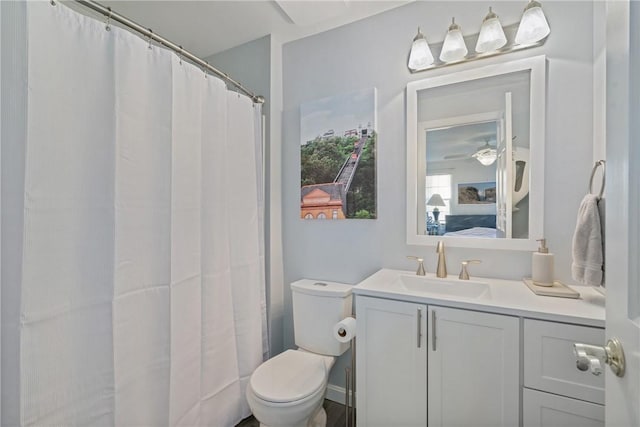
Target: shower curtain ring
[180,55]
[204,70]
[108,23]
[150,38]
[53,2]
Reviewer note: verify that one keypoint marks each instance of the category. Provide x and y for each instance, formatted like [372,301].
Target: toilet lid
[290,376]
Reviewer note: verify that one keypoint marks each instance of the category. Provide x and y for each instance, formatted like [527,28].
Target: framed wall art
[338,157]
[476,193]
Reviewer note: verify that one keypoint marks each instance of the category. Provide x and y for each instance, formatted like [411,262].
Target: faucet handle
[421,271]
[464,274]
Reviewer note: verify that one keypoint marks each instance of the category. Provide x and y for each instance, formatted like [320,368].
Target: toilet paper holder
[350,383]
[345,329]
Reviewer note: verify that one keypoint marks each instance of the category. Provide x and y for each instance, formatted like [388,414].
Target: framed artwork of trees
[338,156]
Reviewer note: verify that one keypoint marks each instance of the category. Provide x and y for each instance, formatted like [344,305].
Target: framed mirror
[475,157]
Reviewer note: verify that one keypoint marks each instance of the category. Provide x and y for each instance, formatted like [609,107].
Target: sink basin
[445,287]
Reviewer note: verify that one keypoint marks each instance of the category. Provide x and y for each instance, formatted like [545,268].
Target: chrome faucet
[464,274]
[442,264]
[421,271]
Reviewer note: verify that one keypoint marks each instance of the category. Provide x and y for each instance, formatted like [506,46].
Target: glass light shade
[420,56]
[491,34]
[453,48]
[486,156]
[533,25]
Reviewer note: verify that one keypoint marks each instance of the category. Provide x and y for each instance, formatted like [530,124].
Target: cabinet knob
[593,357]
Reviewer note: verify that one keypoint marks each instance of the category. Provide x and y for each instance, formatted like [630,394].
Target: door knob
[593,357]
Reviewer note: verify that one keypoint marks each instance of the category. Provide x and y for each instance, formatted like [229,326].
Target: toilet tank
[317,307]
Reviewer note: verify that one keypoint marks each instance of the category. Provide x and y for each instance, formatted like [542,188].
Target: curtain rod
[147,32]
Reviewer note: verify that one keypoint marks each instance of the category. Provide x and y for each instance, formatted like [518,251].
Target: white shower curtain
[141,296]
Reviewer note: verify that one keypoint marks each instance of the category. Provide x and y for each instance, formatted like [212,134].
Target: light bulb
[533,25]
[486,155]
[453,48]
[486,160]
[420,56]
[491,34]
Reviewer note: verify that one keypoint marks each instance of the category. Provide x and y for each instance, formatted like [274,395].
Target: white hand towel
[587,244]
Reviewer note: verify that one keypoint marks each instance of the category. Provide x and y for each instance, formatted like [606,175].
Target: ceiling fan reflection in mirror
[487,154]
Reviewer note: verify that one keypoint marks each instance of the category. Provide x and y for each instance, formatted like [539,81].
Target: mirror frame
[537,106]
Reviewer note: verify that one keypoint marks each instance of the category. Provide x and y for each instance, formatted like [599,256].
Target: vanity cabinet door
[550,410]
[474,367]
[549,362]
[391,363]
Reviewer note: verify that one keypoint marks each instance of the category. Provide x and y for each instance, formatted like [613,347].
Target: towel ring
[593,173]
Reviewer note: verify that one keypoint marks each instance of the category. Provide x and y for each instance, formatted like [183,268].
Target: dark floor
[335,416]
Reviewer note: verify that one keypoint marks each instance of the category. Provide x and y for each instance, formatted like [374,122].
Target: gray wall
[373,53]
[248,64]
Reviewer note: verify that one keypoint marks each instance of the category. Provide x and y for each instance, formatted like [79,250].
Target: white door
[623,197]
[504,172]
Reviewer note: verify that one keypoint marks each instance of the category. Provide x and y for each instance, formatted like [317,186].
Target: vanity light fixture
[491,34]
[454,47]
[486,155]
[420,56]
[533,25]
[532,31]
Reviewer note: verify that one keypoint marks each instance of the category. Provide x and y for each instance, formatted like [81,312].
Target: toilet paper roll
[345,329]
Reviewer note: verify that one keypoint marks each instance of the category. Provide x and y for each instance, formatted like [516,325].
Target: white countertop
[508,297]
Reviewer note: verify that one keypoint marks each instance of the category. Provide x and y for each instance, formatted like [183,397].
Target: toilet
[289,389]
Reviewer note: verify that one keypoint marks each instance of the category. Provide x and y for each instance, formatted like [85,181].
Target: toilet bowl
[289,389]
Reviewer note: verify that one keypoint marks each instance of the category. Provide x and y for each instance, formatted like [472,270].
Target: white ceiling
[459,142]
[208,27]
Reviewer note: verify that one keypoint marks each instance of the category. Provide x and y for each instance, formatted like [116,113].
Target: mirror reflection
[473,158]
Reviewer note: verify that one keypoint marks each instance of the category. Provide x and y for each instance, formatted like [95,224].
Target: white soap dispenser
[542,265]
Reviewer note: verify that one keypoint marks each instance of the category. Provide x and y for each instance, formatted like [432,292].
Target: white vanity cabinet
[391,360]
[445,352]
[555,392]
[471,357]
[473,368]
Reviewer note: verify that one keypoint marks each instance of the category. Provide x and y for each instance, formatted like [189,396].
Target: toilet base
[320,419]
[317,420]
